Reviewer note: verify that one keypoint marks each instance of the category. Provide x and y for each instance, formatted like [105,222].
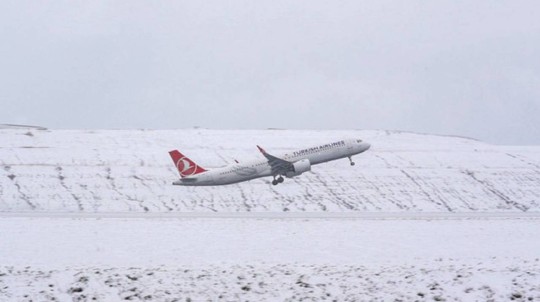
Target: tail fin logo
[185,167]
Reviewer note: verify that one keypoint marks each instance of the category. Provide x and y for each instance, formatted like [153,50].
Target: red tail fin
[185,166]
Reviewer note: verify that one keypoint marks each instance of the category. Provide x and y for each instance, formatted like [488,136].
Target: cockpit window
[358,140]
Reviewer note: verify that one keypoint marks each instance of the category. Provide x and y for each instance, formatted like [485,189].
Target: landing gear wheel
[352,163]
[274,182]
[280,179]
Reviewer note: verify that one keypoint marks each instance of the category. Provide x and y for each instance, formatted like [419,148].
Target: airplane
[288,165]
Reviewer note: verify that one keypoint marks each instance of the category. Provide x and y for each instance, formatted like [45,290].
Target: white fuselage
[248,170]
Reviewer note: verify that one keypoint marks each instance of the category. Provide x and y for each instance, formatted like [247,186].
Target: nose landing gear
[350,159]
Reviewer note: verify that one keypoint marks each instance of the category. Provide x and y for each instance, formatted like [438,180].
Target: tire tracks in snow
[523,160]
[23,195]
[61,178]
[428,196]
[113,185]
[338,198]
[496,192]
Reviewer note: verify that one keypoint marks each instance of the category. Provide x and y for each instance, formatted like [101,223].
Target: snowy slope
[129,170]
[82,218]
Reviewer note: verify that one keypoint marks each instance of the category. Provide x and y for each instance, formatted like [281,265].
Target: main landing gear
[277,180]
[350,159]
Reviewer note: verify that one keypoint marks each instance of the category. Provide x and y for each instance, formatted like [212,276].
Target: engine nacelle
[299,167]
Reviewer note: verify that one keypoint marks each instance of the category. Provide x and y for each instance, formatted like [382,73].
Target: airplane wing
[279,166]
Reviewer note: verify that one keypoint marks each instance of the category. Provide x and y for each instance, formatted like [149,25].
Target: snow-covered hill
[130,170]
[338,240]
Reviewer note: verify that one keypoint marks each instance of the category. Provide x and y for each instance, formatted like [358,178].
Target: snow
[268,259]
[130,170]
[135,241]
[449,281]
[92,215]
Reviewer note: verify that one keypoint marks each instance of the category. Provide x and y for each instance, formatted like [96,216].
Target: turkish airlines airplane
[288,165]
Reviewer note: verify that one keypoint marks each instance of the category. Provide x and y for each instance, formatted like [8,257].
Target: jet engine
[299,167]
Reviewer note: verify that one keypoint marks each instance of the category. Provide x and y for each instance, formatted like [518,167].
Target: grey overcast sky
[468,68]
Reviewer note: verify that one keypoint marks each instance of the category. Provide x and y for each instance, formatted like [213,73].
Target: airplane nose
[365,146]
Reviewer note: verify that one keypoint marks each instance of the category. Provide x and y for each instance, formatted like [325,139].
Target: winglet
[261,149]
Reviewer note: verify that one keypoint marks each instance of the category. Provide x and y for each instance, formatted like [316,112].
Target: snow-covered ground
[130,170]
[269,259]
[451,280]
[91,216]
